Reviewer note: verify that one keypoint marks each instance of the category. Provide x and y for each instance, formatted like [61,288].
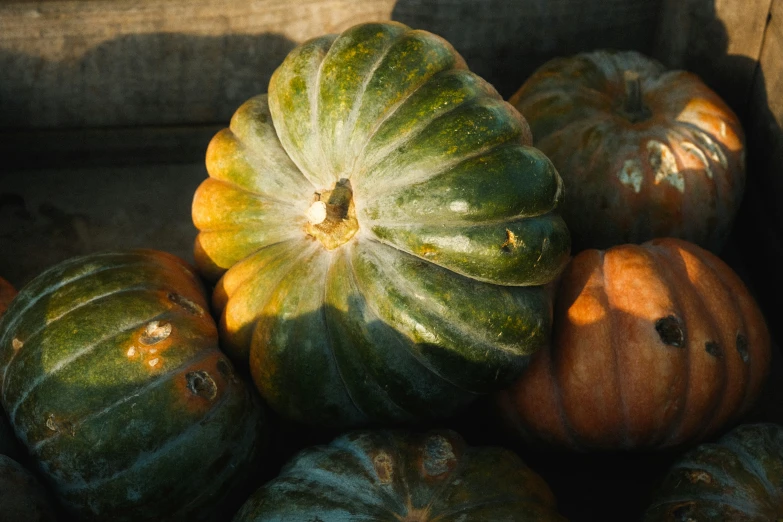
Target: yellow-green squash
[381,228]
[112,378]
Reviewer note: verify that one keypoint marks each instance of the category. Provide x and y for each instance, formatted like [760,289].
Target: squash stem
[634,107]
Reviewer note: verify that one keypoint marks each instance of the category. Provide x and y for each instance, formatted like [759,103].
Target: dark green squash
[22,498]
[382,227]
[112,378]
[390,476]
[738,478]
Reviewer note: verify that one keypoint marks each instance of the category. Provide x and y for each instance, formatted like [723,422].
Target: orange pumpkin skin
[669,162]
[7,294]
[654,346]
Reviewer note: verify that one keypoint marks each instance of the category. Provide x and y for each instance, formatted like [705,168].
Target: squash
[382,230]
[739,477]
[113,381]
[400,476]
[22,498]
[654,345]
[7,294]
[644,152]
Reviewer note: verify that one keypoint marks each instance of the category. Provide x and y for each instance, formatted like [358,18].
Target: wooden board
[720,40]
[76,64]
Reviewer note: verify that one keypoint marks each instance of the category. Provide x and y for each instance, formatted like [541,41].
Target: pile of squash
[383,241]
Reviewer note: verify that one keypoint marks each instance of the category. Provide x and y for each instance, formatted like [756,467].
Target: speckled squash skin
[669,163]
[382,227]
[22,498]
[738,478]
[389,476]
[654,346]
[112,378]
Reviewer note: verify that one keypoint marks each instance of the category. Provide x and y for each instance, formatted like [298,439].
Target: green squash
[382,227]
[389,476]
[22,498]
[112,378]
[738,478]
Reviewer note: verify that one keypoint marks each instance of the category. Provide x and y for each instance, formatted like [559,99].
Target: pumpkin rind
[395,476]
[678,171]
[22,498]
[654,345]
[435,197]
[739,477]
[113,380]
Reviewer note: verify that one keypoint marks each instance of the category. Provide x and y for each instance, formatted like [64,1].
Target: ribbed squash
[644,152]
[654,345]
[22,498]
[738,478]
[112,378]
[388,476]
[381,224]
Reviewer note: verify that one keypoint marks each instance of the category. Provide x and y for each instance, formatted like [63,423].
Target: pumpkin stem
[331,218]
[634,107]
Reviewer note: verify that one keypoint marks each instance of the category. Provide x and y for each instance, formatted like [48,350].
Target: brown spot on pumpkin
[186,304]
[16,344]
[59,426]
[155,332]
[671,331]
[438,457]
[383,467]
[698,475]
[512,242]
[201,383]
[713,348]
[742,347]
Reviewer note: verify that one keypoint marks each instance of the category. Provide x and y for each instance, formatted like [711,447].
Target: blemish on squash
[185,303]
[713,349]
[155,332]
[697,152]
[671,331]
[742,347]
[631,175]
[64,427]
[699,476]
[16,344]
[438,456]
[383,467]
[712,149]
[512,242]
[131,352]
[154,362]
[664,165]
[201,383]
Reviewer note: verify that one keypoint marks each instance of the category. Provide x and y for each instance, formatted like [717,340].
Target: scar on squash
[512,242]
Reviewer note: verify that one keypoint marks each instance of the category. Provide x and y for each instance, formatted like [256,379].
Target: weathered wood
[720,40]
[68,63]
[762,213]
[135,62]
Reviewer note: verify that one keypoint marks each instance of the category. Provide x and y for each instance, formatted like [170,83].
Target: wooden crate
[106,108]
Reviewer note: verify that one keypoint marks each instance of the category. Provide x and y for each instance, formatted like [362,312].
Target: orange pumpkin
[7,294]
[654,345]
[643,152]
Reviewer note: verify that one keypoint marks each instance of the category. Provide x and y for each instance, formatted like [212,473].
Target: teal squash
[112,378]
[382,228]
[391,476]
[22,498]
[737,478]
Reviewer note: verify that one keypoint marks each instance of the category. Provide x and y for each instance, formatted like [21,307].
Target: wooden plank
[762,213]
[164,62]
[506,40]
[69,63]
[720,40]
